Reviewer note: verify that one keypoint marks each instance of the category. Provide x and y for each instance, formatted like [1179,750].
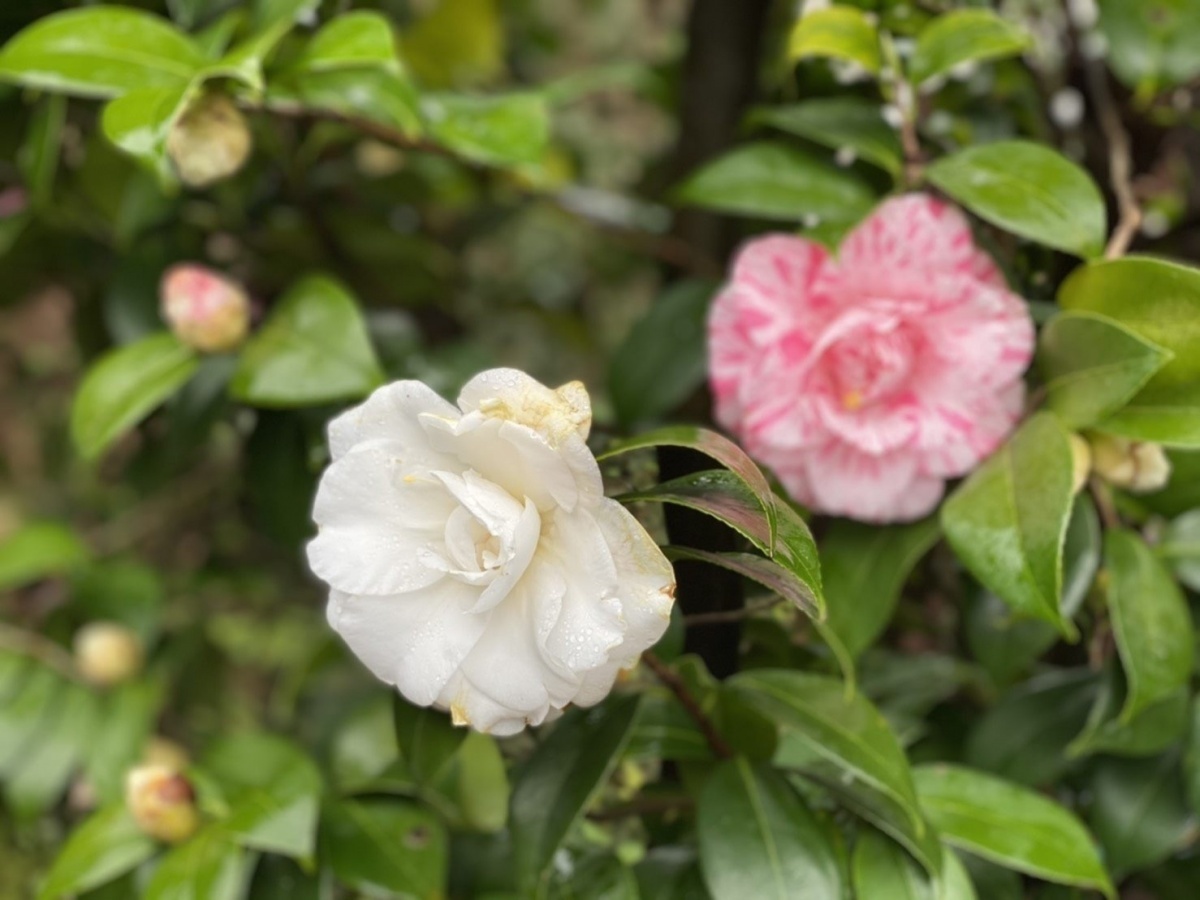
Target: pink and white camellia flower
[473,559]
[867,380]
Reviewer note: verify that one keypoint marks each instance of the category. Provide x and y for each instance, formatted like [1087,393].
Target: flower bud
[161,751]
[1137,466]
[1081,459]
[107,653]
[209,142]
[204,309]
[162,803]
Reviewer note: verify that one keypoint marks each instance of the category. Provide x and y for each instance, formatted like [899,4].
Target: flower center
[871,361]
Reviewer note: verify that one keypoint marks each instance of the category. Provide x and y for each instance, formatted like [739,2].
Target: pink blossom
[203,308]
[867,380]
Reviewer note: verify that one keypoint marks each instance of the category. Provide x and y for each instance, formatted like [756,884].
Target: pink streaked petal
[847,482]
[916,231]
[781,268]
[875,429]
[954,437]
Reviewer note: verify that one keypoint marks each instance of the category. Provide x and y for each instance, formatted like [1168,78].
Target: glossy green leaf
[426,738]
[1151,43]
[496,130]
[863,568]
[1010,825]
[774,181]
[209,866]
[138,122]
[1168,415]
[1151,731]
[1093,366]
[881,870]
[840,123]
[841,728]
[1024,737]
[100,51]
[124,386]
[1180,548]
[1151,622]
[1028,189]
[1008,521]
[963,36]
[313,349]
[376,95]
[38,779]
[1139,811]
[104,847]
[1157,300]
[273,792]
[671,873]
[593,876]
[353,40]
[40,550]
[836,32]
[663,360]
[385,847]
[757,838]
[268,23]
[759,569]
[555,785]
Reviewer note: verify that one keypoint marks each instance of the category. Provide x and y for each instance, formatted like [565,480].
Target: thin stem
[731,615]
[903,96]
[1104,503]
[683,694]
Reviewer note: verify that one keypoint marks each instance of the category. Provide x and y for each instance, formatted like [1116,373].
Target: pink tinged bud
[162,803]
[204,309]
[210,142]
[1136,466]
[107,653]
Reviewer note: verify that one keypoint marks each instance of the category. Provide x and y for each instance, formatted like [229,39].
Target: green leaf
[426,738]
[964,35]
[313,349]
[863,568]
[377,95]
[837,32]
[24,714]
[1010,825]
[129,713]
[883,871]
[1191,758]
[593,876]
[1151,43]
[496,130]
[1093,366]
[385,846]
[269,23]
[354,40]
[38,157]
[773,181]
[1151,731]
[1008,521]
[482,783]
[649,376]
[840,123]
[757,838]
[459,43]
[759,569]
[39,550]
[1180,548]
[103,848]
[1151,622]
[209,866]
[556,783]
[1139,811]
[138,122]
[273,791]
[1024,737]
[100,51]
[123,386]
[1168,415]
[37,780]
[841,728]
[1155,299]
[1028,189]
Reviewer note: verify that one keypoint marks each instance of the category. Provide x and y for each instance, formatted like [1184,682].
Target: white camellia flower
[473,559]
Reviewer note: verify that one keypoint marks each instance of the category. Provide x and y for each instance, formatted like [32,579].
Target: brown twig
[642,806]
[731,615]
[1120,158]
[683,694]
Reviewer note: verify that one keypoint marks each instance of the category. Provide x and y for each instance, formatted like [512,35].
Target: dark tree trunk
[720,78]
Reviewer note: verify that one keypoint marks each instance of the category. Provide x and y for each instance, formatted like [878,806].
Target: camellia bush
[599,449]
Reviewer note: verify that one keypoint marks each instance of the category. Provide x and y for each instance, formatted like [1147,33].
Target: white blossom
[473,559]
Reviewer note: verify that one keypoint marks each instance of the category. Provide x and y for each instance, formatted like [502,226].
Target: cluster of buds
[107,653]
[1136,466]
[162,802]
[209,142]
[204,309]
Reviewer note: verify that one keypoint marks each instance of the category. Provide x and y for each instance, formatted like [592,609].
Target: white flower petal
[373,517]
[390,413]
[414,641]
[511,394]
